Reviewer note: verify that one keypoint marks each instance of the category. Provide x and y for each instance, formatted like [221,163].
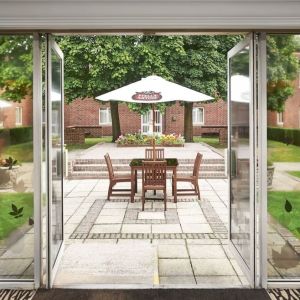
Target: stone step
[97,161]
[123,167]
[104,174]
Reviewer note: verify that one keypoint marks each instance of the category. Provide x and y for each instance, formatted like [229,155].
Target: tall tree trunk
[188,122]
[115,120]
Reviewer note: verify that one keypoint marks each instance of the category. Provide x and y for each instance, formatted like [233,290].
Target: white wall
[149,14]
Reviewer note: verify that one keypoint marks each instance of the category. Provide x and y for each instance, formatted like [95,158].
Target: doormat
[16,294]
[157,294]
[284,294]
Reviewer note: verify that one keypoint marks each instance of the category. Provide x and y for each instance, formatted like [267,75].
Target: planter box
[157,146]
[8,177]
[270,173]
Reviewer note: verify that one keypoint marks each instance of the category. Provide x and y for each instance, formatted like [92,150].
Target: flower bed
[138,139]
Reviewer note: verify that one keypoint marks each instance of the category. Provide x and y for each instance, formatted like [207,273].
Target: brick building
[290,118]
[94,118]
[18,114]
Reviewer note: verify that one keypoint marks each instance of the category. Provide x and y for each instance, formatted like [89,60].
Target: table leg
[175,184]
[135,182]
[132,186]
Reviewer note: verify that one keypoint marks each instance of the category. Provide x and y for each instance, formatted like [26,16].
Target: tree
[203,69]
[95,65]
[282,69]
[15,67]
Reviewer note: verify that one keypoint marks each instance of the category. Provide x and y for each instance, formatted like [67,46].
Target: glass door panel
[241,155]
[55,155]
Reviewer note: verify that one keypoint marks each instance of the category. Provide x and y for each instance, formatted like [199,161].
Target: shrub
[17,135]
[140,139]
[284,135]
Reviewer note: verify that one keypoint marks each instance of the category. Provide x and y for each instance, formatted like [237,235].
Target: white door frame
[52,266]
[250,270]
[150,112]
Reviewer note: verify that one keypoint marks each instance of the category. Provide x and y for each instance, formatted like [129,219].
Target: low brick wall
[221,131]
[77,134]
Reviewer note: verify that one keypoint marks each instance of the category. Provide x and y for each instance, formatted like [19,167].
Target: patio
[114,242]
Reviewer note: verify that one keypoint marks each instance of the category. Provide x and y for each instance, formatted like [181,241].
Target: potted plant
[270,173]
[8,172]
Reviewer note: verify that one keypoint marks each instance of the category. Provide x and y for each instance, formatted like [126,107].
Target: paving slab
[172,251]
[212,267]
[206,251]
[172,267]
[112,264]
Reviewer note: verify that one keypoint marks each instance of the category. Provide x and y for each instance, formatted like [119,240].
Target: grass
[89,142]
[276,208]
[212,141]
[295,173]
[280,152]
[22,152]
[9,223]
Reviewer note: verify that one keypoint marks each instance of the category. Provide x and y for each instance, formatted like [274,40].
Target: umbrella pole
[153,135]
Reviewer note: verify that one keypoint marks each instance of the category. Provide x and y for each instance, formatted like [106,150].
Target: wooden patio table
[137,165]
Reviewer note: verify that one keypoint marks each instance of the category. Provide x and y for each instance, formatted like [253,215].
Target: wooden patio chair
[154,177]
[193,179]
[160,153]
[114,179]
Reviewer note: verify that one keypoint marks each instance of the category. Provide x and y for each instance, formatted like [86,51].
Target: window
[279,118]
[104,116]
[198,116]
[19,111]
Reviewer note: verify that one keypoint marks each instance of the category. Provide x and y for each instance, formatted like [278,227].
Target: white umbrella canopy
[153,89]
[4,103]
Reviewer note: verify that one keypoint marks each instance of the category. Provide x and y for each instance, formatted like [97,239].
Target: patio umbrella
[153,89]
[4,103]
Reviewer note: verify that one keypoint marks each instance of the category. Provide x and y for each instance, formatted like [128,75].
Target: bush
[284,135]
[17,135]
[140,139]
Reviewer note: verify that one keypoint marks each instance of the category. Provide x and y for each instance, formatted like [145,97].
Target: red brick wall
[291,114]
[8,114]
[86,112]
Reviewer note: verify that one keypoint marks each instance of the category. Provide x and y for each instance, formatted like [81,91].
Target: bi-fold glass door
[55,163]
[241,163]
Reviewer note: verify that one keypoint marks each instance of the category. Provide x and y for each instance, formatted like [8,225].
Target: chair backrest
[160,153]
[197,164]
[109,166]
[154,173]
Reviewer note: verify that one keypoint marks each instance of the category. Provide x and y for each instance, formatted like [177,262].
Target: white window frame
[19,115]
[108,116]
[197,123]
[279,118]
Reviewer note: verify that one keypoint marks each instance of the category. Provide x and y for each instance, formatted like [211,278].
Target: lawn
[276,208]
[22,152]
[211,141]
[295,173]
[89,142]
[9,223]
[280,152]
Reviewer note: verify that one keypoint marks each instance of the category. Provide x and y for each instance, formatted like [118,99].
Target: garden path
[188,151]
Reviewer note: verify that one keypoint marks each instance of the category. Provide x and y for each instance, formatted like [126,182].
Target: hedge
[16,135]
[284,135]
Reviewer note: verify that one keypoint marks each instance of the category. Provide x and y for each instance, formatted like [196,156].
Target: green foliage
[16,212]
[19,200]
[280,152]
[282,69]
[17,135]
[16,66]
[141,139]
[9,163]
[284,135]
[285,208]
